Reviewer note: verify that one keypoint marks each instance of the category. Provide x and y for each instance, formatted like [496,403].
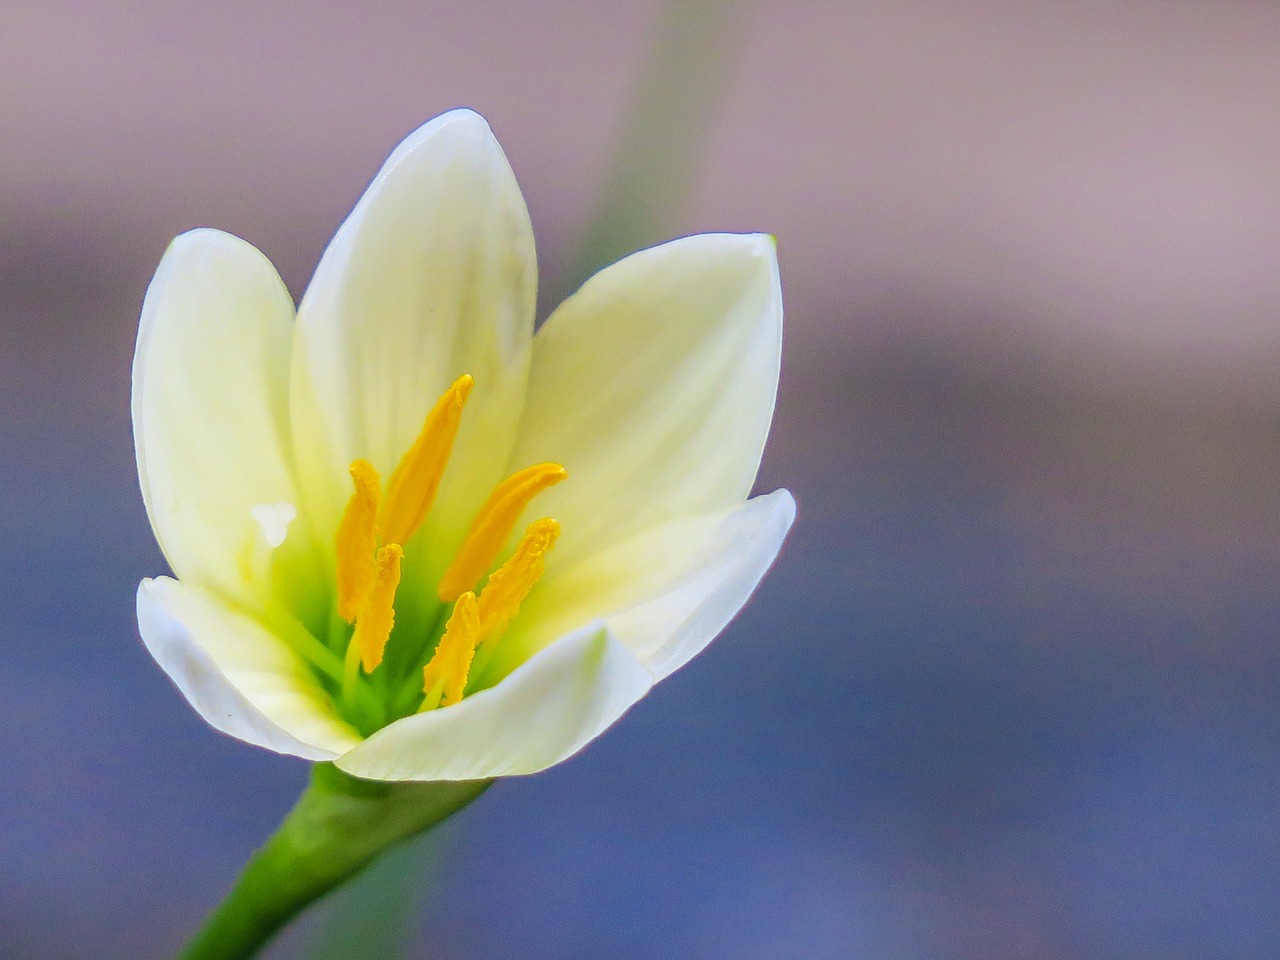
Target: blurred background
[1011,689]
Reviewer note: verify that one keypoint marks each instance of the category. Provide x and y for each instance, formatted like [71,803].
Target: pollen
[377,616]
[415,480]
[510,584]
[493,524]
[444,678]
[356,540]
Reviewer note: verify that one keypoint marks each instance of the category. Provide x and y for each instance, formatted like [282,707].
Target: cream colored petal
[671,629]
[241,678]
[433,275]
[654,385]
[665,593]
[210,405]
[544,712]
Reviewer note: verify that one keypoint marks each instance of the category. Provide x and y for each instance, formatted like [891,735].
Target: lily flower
[414,538]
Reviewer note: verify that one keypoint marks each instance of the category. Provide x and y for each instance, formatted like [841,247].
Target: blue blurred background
[1011,689]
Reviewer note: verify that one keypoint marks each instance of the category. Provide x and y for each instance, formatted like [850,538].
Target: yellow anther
[415,480]
[510,584]
[356,541]
[377,615]
[446,675]
[492,525]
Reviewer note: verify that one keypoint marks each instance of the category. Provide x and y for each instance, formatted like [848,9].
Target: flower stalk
[339,825]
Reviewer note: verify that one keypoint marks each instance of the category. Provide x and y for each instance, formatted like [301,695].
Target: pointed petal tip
[765,247]
[786,502]
[461,123]
[206,239]
[464,115]
[759,247]
[783,505]
[762,243]
[146,587]
[203,248]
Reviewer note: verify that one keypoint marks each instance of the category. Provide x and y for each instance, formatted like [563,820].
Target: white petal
[432,276]
[665,593]
[210,403]
[655,385]
[240,677]
[544,712]
[273,520]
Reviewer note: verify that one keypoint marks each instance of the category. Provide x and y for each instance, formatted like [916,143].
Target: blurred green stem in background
[664,136]
[337,827]
[378,915]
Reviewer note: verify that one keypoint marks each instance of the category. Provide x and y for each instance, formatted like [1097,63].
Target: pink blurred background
[1101,173]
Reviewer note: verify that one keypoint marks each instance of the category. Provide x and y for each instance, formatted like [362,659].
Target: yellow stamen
[492,525]
[445,677]
[415,480]
[377,615]
[510,584]
[356,541]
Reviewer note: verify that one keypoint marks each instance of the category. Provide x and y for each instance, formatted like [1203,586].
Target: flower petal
[431,276]
[543,712]
[210,395]
[665,593]
[243,679]
[654,385]
[672,628]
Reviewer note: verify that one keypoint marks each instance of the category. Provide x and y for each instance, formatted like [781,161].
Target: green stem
[338,826]
[686,78]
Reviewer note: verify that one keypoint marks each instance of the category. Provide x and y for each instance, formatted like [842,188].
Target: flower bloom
[414,538]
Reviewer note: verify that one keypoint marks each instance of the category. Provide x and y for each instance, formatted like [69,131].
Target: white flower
[294,487]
